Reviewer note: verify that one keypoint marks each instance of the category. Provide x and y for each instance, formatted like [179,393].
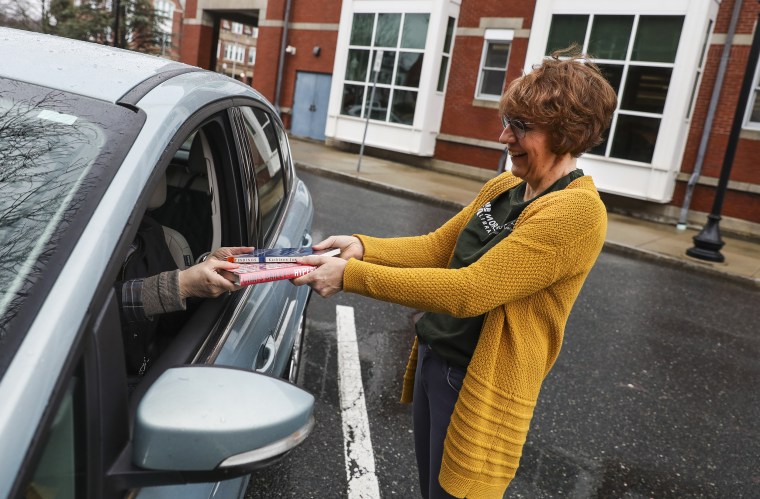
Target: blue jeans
[436,389]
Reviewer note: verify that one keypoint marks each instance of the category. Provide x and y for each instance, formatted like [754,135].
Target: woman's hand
[350,246]
[327,278]
[223,252]
[204,280]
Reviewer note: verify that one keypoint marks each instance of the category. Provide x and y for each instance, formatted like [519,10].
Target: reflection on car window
[270,181]
[45,156]
[60,471]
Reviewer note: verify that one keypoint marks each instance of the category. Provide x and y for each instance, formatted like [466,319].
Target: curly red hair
[569,96]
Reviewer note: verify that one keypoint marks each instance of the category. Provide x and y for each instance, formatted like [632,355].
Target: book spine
[273,275]
[245,259]
[280,259]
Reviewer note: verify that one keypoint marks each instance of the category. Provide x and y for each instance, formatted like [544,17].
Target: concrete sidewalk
[644,238]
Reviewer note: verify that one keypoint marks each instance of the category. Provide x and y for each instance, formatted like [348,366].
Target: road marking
[357,445]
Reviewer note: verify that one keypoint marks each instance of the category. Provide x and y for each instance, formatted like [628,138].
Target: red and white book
[254,273]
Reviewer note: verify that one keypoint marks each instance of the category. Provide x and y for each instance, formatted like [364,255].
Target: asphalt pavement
[625,234]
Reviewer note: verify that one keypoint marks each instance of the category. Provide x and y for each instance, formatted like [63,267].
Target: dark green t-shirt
[454,338]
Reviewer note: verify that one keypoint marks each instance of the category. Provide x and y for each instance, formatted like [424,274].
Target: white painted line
[357,445]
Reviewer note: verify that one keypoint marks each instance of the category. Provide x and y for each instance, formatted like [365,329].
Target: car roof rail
[133,95]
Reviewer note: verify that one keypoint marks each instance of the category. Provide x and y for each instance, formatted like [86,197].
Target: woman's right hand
[350,246]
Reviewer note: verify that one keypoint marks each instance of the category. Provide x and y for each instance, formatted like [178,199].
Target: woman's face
[531,156]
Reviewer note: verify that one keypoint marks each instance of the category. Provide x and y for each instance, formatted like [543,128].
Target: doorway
[310,105]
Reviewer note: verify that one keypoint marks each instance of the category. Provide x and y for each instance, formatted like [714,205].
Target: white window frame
[251,55]
[748,123]
[653,181]
[493,36]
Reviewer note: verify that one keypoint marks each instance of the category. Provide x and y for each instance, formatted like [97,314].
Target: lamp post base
[707,243]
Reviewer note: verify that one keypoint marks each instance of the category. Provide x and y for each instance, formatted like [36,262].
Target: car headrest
[196,162]
[158,197]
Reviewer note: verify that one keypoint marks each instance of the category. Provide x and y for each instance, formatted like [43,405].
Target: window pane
[385,75]
[566,30]
[635,137]
[493,82]
[601,148]
[449,35]
[361,30]
[610,36]
[646,89]
[379,109]
[357,64]
[614,74]
[497,55]
[353,96]
[657,38]
[387,30]
[60,472]
[404,103]
[756,108]
[409,67]
[442,73]
[415,31]
[267,165]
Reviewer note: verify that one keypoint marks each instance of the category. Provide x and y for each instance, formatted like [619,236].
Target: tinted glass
[415,31]
[267,163]
[449,35]
[614,75]
[442,73]
[756,108]
[385,75]
[610,36]
[566,30]
[353,96]
[361,29]
[379,110]
[497,55]
[635,138]
[657,38]
[404,104]
[387,30]
[409,67]
[646,88]
[58,153]
[357,65]
[60,473]
[492,83]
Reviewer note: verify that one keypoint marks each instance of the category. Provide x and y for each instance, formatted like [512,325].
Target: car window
[261,131]
[58,152]
[60,471]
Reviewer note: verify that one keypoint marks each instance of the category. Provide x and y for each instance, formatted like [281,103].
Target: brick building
[445,62]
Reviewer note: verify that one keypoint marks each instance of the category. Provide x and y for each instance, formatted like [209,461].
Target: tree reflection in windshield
[45,154]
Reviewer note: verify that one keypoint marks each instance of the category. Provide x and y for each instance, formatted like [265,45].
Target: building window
[400,38]
[446,56]
[636,53]
[237,28]
[251,55]
[752,119]
[493,63]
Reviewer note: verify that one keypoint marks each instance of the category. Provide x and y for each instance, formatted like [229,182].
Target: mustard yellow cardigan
[526,286]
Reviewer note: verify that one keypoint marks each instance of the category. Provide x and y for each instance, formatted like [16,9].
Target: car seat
[176,242]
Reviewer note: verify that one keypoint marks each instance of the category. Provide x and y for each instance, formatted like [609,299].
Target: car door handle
[307,240]
[265,358]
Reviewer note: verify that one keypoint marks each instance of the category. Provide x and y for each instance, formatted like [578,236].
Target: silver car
[92,141]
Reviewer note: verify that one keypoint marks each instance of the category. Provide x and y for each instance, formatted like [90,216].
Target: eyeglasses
[519,127]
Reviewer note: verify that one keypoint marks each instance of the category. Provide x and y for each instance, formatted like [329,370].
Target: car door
[266,323]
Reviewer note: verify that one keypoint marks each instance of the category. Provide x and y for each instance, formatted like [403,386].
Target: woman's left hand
[327,279]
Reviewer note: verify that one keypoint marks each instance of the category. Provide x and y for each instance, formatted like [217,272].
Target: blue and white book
[279,255]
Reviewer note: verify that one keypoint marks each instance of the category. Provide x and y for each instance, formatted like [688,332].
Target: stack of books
[273,264]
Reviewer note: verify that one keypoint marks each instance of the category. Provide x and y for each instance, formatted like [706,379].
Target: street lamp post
[707,243]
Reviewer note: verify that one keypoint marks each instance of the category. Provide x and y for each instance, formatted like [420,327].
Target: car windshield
[53,150]
[45,157]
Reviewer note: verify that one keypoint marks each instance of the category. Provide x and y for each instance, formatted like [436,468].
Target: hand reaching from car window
[207,279]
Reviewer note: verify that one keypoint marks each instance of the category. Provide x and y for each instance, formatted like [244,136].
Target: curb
[377,186]
[751,282]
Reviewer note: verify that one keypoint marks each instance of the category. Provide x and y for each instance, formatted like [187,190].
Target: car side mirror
[208,423]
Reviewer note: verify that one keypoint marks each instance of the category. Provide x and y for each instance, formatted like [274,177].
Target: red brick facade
[466,120]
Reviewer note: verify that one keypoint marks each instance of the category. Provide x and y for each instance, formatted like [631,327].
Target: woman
[497,282]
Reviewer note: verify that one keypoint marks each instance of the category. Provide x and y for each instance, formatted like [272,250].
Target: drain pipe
[281,62]
[692,183]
